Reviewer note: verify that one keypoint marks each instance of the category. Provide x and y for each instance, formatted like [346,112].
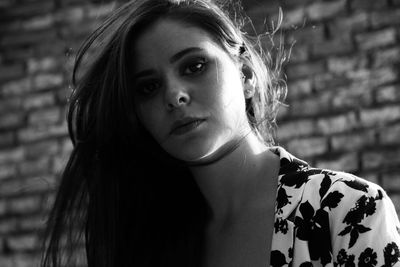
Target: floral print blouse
[329,218]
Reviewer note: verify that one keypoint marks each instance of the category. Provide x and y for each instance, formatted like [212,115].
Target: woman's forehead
[172,31]
[168,37]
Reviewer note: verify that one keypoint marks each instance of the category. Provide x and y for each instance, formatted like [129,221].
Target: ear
[248,81]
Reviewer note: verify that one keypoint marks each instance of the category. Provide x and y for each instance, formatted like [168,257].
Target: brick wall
[343,113]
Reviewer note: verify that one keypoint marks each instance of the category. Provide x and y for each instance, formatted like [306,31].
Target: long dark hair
[122,200]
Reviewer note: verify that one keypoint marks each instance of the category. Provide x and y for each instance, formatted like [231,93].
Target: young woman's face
[188,91]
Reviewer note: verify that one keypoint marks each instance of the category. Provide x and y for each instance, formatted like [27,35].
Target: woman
[173,163]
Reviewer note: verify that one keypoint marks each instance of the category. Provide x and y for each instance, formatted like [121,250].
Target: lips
[185,125]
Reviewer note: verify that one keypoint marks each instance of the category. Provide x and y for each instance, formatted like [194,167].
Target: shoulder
[343,195]
[341,184]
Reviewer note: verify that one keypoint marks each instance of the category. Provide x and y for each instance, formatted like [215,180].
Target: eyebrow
[173,59]
[180,54]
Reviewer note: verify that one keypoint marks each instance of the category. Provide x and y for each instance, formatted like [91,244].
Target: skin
[204,83]
[207,83]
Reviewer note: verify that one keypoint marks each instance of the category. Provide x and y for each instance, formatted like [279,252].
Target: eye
[147,88]
[195,67]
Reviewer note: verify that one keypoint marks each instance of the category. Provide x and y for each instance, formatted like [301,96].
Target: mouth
[186,125]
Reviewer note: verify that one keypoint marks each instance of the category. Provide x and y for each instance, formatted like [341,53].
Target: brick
[305,69]
[11,54]
[11,72]
[6,3]
[46,147]
[296,128]
[32,223]
[294,18]
[383,75]
[41,64]
[20,260]
[23,242]
[17,87]
[36,133]
[10,187]
[379,116]
[53,47]
[7,171]
[39,100]
[66,146]
[353,97]
[77,31]
[38,184]
[367,4]
[6,139]
[328,80]
[11,120]
[8,226]
[32,8]
[48,201]
[384,57]
[352,141]
[32,185]
[37,166]
[390,135]
[311,106]
[63,95]
[299,88]
[98,11]
[373,77]
[299,53]
[26,204]
[10,104]
[2,211]
[306,35]
[70,15]
[346,162]
[391,181]
[336,124]
[38,23]
[28,38]
[46,116]
[338,46]
[306,147]
[262,9]
[376,39]
[324,10]
[387,94]
[59,163]
[12,155]
[357,22]
[47,81]
[10,26]
[381,159]
[385,18]
[370,176]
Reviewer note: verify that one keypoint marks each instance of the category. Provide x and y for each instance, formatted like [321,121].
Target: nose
[176,95]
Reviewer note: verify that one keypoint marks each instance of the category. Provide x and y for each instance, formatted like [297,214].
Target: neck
[240,181]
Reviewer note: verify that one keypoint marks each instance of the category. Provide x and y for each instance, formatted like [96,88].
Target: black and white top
[329,218]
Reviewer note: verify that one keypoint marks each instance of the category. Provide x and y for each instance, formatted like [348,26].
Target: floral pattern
[328,218]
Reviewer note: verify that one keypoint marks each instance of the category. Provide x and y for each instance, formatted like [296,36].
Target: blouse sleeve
[364,226]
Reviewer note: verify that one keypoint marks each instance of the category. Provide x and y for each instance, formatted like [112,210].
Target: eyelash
[199,63]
